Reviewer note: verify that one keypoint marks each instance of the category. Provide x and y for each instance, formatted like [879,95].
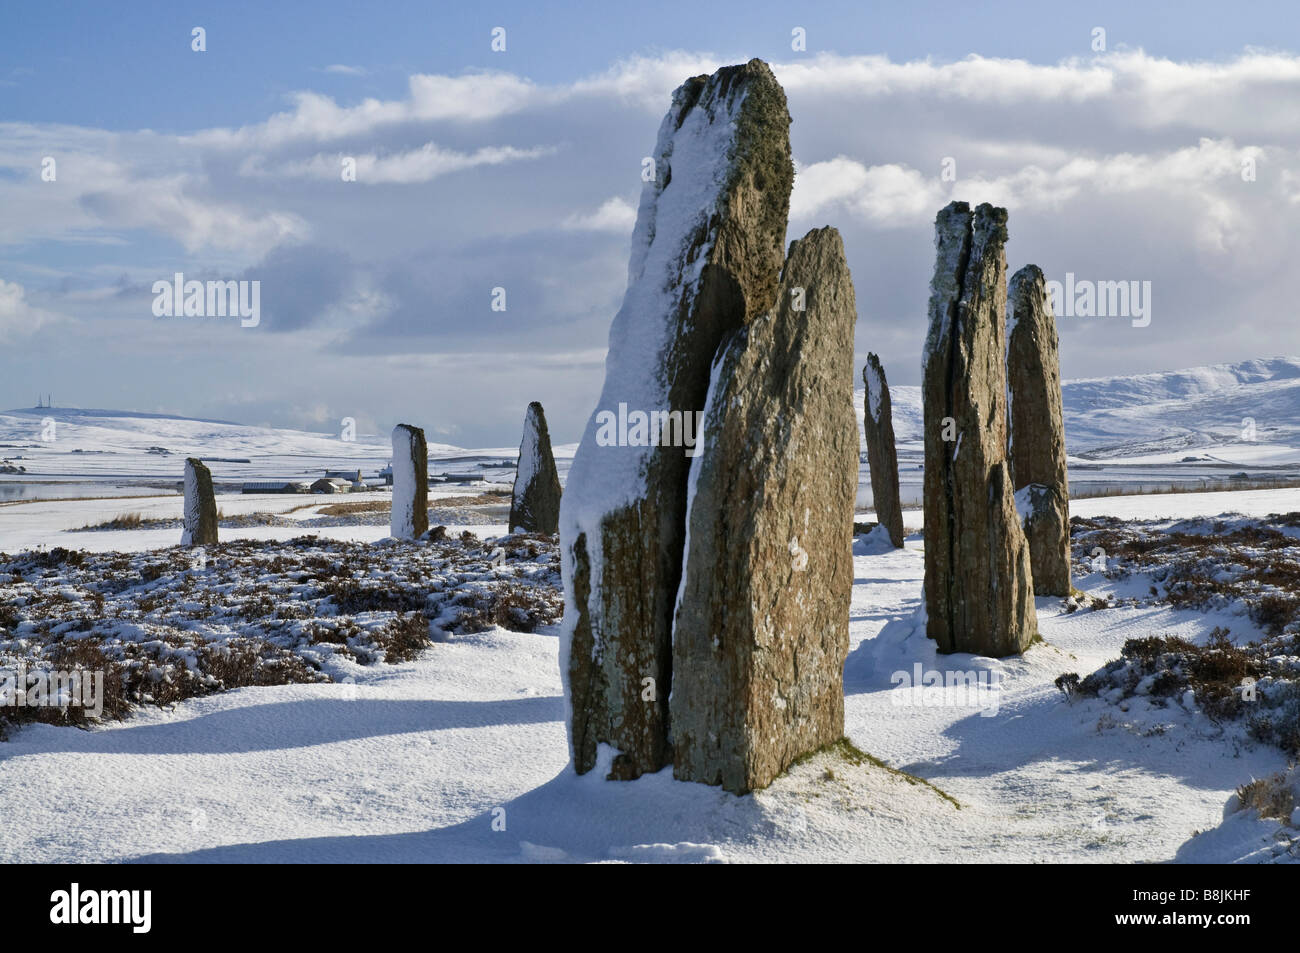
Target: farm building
[331,485]
[276,486]
[351,477]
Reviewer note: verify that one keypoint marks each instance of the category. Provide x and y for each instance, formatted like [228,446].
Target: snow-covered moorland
[388,748]
[168,625]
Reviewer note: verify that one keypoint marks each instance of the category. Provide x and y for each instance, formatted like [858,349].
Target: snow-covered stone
[978,584]
[761,628]
[200,519]
[535,504]
[410,516]
[1036,444]
[882,456]
[706,258]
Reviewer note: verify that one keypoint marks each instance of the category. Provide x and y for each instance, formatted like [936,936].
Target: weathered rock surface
[978,582]
[761,627]
[706,259]
[1036,445]
[1045,518]
[882,457]
[200,517]
[410,516]
[535,505]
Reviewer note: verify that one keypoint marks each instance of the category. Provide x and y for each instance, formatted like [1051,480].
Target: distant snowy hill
[60,441]
[1203,412]
[1157,419]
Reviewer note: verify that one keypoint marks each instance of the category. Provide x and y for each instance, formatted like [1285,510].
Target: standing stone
[706,260]
[200,518]
[762,623]
[535,506]
[882,457]
[978,583]
[1036,445]
[410,516]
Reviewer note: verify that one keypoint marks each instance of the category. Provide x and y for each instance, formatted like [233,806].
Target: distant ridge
[1196,410]
[87,412]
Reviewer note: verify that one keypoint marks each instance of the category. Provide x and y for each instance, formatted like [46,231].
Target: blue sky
[519,169]
[128,66]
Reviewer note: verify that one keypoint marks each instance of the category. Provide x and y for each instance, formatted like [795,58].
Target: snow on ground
[461,755]
[1183,505]
[1171,506]
[49,523]
[78,446]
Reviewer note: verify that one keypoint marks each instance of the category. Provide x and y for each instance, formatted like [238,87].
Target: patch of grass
[348,509]
[124,521]
[1271,797]
[848,751]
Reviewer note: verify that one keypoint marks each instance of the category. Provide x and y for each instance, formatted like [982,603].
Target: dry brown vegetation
[347,509]
[163,627]
[1225,563]
[1271,797]
[1205,563]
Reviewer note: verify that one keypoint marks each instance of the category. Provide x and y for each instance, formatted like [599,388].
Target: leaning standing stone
[410,516]
[882,456]
[200,519]
[706,260]
[1036,446]
[535,504]
[762,619]
[978,584]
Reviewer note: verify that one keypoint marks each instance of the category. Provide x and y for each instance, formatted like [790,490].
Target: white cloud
[404,168]
[1207,174]
[1122,165]
[343,70]
[318,118]
[614,215]
[883,195]
[975,77]
[169,205]
[18,318]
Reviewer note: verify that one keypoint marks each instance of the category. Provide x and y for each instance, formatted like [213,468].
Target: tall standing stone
[200,517]
[535,504]
[706,259]
[762,620]
[978,583]
[882,456]
[1036,445]
[410,516]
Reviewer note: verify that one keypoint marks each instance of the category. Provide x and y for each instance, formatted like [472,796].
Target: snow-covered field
[1194,428]
[125,449]
[461,754]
